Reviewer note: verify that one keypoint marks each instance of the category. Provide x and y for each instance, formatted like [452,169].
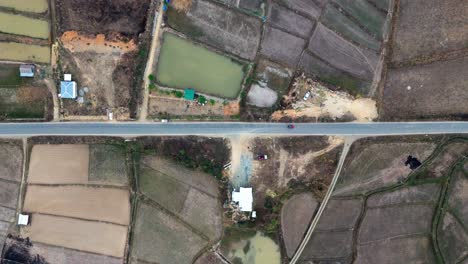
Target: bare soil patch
[103,16]
[296,215]
[70,164]
[436,90]
[400,250]
[425,28]
[101,204]
[95,237]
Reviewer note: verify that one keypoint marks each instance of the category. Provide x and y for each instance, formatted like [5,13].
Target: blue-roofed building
[68,90]
[27,70]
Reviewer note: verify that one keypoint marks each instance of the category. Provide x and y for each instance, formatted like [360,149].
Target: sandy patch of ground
[261,96]
[232,108]
[75,42]
[324,102]
[59,164]
[95,237]
[240,146]
[102,204]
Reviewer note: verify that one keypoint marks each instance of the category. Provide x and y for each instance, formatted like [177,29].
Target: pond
[183,64]
[25,26]
[23,52]
[33,6]
[250,248]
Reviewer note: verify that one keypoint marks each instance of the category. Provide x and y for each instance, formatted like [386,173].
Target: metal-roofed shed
[68,90]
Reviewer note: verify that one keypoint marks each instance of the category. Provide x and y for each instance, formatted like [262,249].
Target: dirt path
[53,91]
[150,63]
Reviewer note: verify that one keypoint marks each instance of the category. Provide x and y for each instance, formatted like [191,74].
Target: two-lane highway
[230,128]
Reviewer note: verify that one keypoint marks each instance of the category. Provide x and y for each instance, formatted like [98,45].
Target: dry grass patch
[182,5]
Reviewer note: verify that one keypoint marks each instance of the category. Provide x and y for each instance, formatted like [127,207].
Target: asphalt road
[225,128]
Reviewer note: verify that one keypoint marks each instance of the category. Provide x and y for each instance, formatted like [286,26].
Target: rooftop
[68,90]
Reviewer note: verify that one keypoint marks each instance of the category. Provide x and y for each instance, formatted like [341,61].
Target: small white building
[23,219]
[244,198]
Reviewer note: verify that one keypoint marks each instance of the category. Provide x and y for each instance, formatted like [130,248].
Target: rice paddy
[33,6]
[23,52]
[25,26]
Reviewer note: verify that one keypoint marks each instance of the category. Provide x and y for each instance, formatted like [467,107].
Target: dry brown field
[59,164]
[95,237]
[101,204]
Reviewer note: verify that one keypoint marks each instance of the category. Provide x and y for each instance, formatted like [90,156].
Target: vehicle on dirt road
[262,157]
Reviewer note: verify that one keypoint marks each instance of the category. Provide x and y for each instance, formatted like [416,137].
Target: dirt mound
[127,17]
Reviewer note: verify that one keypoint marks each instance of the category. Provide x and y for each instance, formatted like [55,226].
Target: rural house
[68,87]
[27,70]
[243,198]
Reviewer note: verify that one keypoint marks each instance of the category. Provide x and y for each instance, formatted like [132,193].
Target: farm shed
[244,198]
[27,70]
[68,89]
[189,94]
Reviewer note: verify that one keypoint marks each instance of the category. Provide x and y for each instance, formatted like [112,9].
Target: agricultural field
[424,72]
[21,25]
[177,206]
[11,162]
[38,6]
[183,64]
[25,31]
[415,92]
[402,215]
[84,191]
[25,52]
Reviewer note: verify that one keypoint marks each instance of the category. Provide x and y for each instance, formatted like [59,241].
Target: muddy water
[183,64]
[34,6]
[255,250]
[25,26]
[22,52]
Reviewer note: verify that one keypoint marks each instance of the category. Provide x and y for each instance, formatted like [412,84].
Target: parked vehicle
[291,126]
[262,157]
[164,120]
[307,95]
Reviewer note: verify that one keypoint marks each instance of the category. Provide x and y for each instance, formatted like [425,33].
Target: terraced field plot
[22,25]
[24,52]
[183,64]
